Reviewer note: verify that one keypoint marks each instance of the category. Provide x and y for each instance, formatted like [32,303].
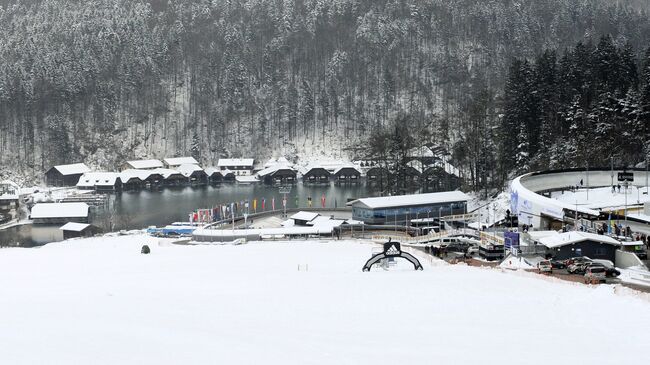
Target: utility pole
[611,160]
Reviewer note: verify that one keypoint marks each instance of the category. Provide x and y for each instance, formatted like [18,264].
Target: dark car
[557,264]
[611,272]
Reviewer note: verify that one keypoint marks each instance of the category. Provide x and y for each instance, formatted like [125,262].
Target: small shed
[65,175]
[100,181]
[193,173]
[171,177]
[575,243]
[214,175]
[174,162]
[74,230]
[228,176]
[55,213]
[347,174]
[315,174]
[278,174]
[303,218]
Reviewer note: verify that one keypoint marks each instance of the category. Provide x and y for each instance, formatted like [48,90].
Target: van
[595,274]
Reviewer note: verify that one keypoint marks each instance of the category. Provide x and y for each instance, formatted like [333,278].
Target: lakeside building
[65,175]
[175,162]
[315,174]
[347,174]
[142,165]
[239,166]
[278,174]
[55,213]
[400,208]
[100,181]
[76,230]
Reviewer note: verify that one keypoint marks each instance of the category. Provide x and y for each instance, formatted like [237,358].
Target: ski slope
[99,301]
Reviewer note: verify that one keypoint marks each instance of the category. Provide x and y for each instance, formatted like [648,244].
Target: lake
[158,207]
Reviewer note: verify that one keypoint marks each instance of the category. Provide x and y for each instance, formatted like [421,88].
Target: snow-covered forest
[108,80]
[584,106]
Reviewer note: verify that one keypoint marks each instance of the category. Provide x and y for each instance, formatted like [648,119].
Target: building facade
[402,208]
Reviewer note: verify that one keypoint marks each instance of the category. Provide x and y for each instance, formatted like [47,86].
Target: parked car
[557,264]
[472,250]
[573,260]
[595,274]
[545,267]
[577,268]
[611,272]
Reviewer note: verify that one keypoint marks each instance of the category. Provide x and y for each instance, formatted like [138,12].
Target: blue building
[400,208]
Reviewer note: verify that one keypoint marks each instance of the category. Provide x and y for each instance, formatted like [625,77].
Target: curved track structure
[528,202]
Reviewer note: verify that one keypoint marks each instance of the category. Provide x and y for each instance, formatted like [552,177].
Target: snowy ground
[603,197]
[99,301]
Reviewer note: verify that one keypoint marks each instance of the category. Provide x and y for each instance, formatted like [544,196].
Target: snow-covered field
[99,301]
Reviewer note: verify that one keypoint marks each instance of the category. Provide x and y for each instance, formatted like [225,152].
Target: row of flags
[236,209]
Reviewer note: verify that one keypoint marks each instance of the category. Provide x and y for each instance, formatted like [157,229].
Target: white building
[239,166]
[174,162]
[142,165]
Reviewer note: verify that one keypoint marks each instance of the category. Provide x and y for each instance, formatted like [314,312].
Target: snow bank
[100,301]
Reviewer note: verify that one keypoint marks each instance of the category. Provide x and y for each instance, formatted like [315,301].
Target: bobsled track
[529,200]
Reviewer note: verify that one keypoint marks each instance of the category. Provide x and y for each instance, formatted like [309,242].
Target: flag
[191,216]
[255,205]
[263,203]
[297,205]
[284,201]
[273,203]
[322,200]
[232,210]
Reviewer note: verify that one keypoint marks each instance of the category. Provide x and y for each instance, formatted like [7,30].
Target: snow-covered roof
[632,243]
[177,161]
[72,169]
[73,226]
[346,167]
[91,179]
[413,199]
[10,183]
[247,162]
[211,170]
[145,164]
[538,235]
[416,165]
[322,221]
[420,152]
[59,210]
[275,161]
[272,169]
[246,179]
[166,173]
[293,230]
[127,175]
[188,169]
[568,238]
[304,216]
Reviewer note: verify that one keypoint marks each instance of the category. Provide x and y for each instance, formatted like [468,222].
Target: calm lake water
[140,209]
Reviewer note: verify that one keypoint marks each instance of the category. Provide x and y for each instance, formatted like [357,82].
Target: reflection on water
[139,209]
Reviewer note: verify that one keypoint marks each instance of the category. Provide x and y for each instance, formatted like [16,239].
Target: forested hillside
[107,80]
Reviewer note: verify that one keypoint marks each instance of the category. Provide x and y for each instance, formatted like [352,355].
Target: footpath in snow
[99,301]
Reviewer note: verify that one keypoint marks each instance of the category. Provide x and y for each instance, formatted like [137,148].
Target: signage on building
[625,176]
